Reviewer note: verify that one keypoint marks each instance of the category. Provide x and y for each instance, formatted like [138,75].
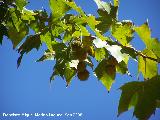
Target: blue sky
[27,89]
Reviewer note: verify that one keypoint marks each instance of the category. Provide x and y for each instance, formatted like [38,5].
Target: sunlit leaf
[155,47]
[46,38]
[146,66]
[123,32]
[144,33]
[28,15]
[116,2]
[100,54]
[20,4]
[103,5]
[58,8]
[16,19]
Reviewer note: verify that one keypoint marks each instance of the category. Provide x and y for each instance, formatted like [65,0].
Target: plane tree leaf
[147,93]
[58,8]
[46,38]
[144,33]
[100,54]
[123,32]
[75,39]
[20,4]
[32,41]
[15,36]
[106,72]
[48,55]
[69,73]
[148,67]
[3,31]
[107,15]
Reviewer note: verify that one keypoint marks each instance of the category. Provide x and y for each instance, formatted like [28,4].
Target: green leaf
[130,51]
[58,8]
[155,47]
[20,4]
[128,91]
[3,31]
[123,32]
[73,5]
[68,74]
[28,15]
[16,18]
[106,18]
[148,67]
[103,5]
[80,31]
[122,67]
[61,51]
[105,21]
[147,95]
[32,41]
[105,72]
[15,36]
[100,54]
[47,56]
[46,38]
[144,33]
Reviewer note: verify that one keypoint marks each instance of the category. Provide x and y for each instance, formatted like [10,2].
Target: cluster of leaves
[74,47]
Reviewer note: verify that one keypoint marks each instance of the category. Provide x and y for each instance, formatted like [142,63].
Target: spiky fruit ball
[78,52]
[83,76]
[82,55]
[81,66]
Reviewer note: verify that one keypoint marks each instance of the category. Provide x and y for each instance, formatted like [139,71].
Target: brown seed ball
[82,55]
[83,76]
[81,66]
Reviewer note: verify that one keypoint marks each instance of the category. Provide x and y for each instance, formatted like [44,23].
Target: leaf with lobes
[58,8]
[21,4]
[123,32]
[15,36]
[106,17]
[147,94]
[32,41]
[106,72]
[149,68]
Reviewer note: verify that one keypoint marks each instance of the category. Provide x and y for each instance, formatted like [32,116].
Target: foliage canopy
[73,47]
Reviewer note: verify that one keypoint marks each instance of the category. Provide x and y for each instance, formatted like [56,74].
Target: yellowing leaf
[100,54]
[146,66]
[123,32]
[116,2]
[144,33]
